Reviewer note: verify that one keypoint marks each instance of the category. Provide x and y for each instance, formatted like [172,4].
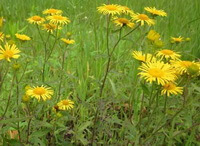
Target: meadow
[90,72]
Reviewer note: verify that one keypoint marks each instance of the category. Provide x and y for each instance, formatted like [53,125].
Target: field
[78,72]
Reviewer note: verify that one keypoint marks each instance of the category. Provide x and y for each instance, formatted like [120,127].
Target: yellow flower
[177,40]
[153,35]
[168,54]
[9,51]
[22,37]
[171,88]
[58,20]
[187,39]
[1,36]
[123,22]
[181,66]
[52,11]
[50,27]
[36,20]
[65,104]
[67,41]
[155,12]
[40,92]
[126,10]
[110,9]
[142,18]
[1,21]
[143,57]
[157,71]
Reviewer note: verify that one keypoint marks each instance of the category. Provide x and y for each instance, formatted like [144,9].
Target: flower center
[58,17]
[65,102]
[156,72]
[111,7]
[50,26]
[36,18]
[169,86]
[39,91]
[8,54]
[167,52]
[52,11]
[186,63]
[123,20]
[143,17]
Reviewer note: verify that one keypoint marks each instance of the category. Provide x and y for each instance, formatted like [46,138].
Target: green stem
[165,106]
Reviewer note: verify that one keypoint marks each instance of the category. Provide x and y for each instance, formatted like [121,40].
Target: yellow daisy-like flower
[181,66]
[36,20]
[123,22]
[171,88]
[1,21]
[67,41]
[58,19]
[127,10]
[52,12]
[155,12]
[168,54]
[50,27]
[157,71]
[1,36]
[177,40]
[9,51]
[65,104]
[110,9]
[40,92]
[153,35]
[22,37]
[143,57]
[142,18]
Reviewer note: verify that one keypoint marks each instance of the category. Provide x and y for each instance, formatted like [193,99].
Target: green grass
[116,118]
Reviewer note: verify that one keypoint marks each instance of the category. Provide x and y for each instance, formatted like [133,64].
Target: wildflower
[52,12]
[177,40]
[142,57]
[123,22]
[157,71]
[50,27]
[142,18]
[110,9]
[9,51]
[40,92]
[153,35]
[171,88]
[187,39]
[58,20]
[155,12]
[1,21]
[25,98]
[65,104]
[1,36]
[127,10]
[181,66]
[36,20]
[22,37]
[168,54]
[194,69]
[67,41]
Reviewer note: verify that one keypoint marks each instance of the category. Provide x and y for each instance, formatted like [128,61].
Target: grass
[124,114]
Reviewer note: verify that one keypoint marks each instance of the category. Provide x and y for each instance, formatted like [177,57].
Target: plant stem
[165,106]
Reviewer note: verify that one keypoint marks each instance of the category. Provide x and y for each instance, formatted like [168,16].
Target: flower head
[177,40]
[9,51]
[36,20]
[181,66]
[1,21]
[126,10]
[50,27]
[65,104]
[110,9]
[58,20]
[143,57]
[171,88]
[168,54]
[67,41]
[22,37]
[123,22]
[40,92]
[155,12]
[142,18]
[52,12]
[153,35]
[157,71]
